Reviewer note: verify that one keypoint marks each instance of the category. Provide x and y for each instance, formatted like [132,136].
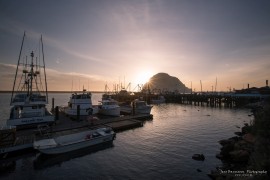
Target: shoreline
[247,155]
[59,91]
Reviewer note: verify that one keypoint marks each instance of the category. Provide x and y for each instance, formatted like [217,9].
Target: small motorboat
[76,141]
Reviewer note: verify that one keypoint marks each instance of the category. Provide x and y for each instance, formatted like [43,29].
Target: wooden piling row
[210,100]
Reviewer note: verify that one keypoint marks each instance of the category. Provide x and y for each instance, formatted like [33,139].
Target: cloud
[57,61]
[11,26]
[56,80]
[14,27]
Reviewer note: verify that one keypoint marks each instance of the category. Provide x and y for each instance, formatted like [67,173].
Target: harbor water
[161,149]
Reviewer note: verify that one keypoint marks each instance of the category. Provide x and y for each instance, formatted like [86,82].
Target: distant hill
[162,82]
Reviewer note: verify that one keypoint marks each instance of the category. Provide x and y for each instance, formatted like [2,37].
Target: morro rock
[163,82]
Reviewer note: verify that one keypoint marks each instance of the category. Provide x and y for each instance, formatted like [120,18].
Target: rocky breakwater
[247,155]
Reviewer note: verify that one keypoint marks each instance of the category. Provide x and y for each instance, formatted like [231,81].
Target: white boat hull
[72,142]
[110,111]
[30,120]
[83,112]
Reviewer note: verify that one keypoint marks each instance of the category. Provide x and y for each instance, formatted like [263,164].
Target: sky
[91,43]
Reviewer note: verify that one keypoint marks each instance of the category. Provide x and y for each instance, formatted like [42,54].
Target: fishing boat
[76,141]
[136,107]
[158,100]
[81,101]
[29,99]
[109,107]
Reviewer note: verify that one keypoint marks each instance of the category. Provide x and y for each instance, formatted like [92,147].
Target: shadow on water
[8,165]
[43,161]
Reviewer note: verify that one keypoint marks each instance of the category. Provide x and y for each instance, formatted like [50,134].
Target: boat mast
[216,85]
[31,74]
[201,85]
[44,69]
[17,68]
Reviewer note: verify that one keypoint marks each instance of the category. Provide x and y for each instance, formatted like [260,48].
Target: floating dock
[12,140]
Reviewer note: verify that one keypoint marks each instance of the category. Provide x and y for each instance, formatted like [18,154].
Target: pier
[13,141]
[197,99]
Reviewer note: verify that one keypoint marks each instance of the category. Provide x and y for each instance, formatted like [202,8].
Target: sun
[143,77]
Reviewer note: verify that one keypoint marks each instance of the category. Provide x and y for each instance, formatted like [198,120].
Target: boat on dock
[29,99]
[109,107]
[76,141]
[136,107]
[81,102]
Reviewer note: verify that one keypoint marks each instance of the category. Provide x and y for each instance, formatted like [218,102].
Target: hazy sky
[95,42]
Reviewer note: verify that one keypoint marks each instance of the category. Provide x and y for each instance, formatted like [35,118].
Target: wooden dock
[196,99]
[18,140]
[126,124]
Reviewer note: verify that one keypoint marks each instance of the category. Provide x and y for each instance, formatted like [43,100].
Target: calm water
[161,149]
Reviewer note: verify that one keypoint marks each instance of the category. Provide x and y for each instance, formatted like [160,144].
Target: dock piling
[78,112]
[133,108]
[52,105]
[56,113]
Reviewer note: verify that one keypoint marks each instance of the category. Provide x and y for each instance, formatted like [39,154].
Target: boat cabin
[138,103]
[81,96]
[27,111]
[84,100]
[34,98]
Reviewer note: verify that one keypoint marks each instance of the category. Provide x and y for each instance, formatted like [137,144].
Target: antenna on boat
[72,85]
[17,68]
[201,85]
[191,87]
[124,82]
[31,74]
[216,85]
